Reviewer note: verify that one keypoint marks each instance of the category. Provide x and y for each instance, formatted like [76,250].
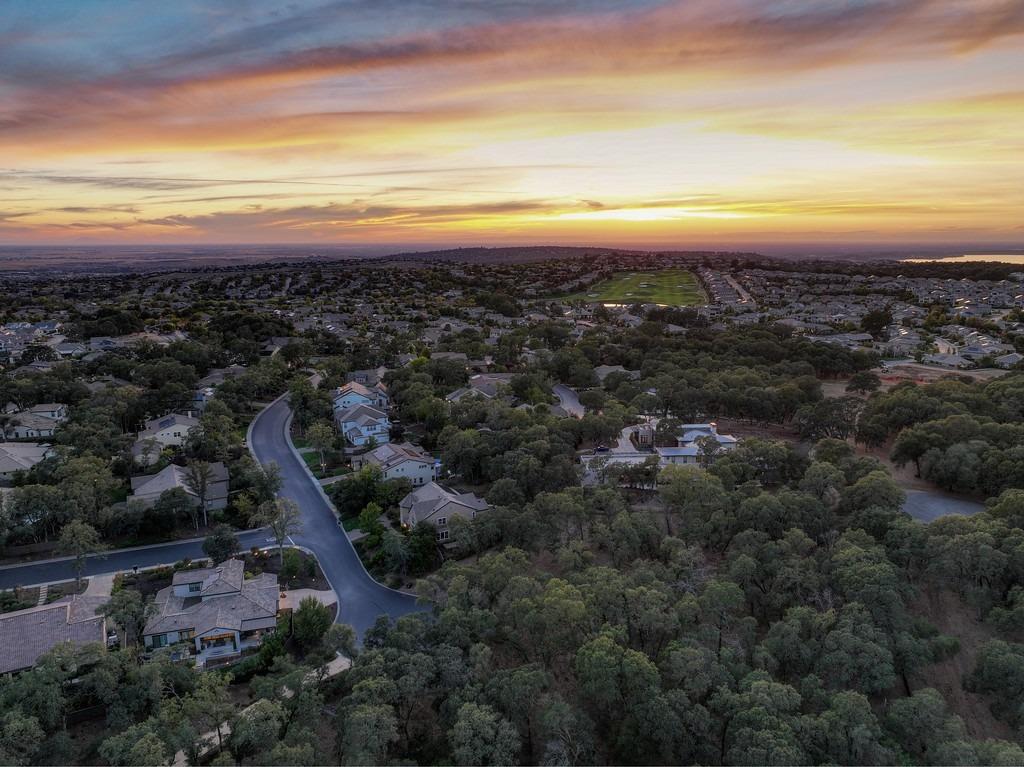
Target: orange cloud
[688,119]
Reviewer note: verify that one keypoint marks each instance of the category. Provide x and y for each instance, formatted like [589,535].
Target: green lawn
[335,463]
[671,287]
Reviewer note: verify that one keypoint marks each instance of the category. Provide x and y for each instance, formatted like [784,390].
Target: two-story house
[363,424]
[396,460]
[37,421]
[170,430]
[214,614]
[367,377]
[354,393]
[437,506]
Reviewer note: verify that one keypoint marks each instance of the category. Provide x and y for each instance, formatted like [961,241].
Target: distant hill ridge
[512,254]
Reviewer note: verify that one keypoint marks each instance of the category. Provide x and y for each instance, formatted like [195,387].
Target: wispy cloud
[374,118]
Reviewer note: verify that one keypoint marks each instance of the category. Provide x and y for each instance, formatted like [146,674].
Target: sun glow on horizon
[557,121]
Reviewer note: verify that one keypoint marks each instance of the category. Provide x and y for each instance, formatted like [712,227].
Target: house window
[195,588]
[160,640]
[442,521]
[442,535]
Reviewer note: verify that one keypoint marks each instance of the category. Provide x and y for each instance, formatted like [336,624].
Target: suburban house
[201,397]
[603,371]
[70,349]
[436,506]
[355,393]
[213,614]
[488,385]
[1009,360]
[170,430]
[37,421]
[360,424]
[697,441]
[366,377]
[55,411]
[26,635]
[217,376]
[948,360]
[149,487]
[20,456]
[400,460]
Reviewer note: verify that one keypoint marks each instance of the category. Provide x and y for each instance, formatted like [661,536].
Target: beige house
[26,635]
[214,614]
[148,488]
[437,506]
[20,456]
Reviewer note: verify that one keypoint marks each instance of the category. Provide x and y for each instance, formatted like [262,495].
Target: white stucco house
[363,424]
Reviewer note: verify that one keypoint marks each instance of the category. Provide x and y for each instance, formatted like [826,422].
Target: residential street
[361,598]
[54,570]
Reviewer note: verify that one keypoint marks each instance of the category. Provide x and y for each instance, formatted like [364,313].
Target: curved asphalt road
[361,598]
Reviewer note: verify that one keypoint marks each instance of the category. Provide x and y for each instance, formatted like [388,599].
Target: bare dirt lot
[951,616]
[737,428]
[919,373]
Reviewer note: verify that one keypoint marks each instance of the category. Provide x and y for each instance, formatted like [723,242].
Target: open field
[671,287]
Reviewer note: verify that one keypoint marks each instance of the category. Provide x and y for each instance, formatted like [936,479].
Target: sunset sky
[696,123]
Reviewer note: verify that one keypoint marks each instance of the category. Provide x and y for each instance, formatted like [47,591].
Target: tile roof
[25,635]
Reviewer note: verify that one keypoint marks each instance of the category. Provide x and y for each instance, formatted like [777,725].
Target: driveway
[361,599]
[569,400]
[60,569]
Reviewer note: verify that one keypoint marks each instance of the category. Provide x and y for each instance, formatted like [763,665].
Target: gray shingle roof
[227,600]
